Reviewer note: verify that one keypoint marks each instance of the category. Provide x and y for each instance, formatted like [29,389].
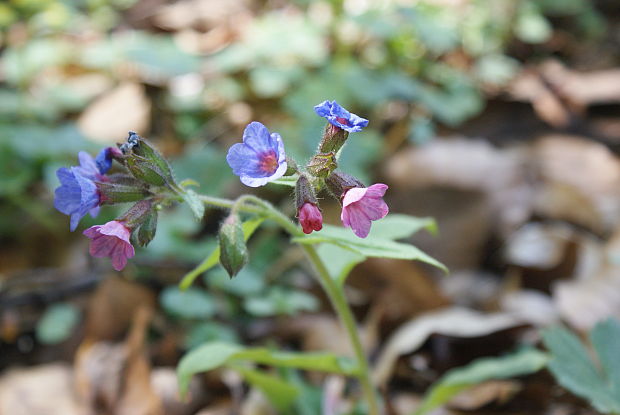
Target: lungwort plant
[145,177]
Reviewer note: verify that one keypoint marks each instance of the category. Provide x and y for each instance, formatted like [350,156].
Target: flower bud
[322,164]
[147,229]
[233,250]
[137,214]
[333,139]
[310,218]
[338,183]
[111,192]
[309,214]
[146,163]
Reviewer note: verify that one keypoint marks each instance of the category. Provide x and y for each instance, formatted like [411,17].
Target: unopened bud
[147,229]
[322,164]
[333,139]
[146,163]
[114,192]
[137,214]
[233,250]
[338,183]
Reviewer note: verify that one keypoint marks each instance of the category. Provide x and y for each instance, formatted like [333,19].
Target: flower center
[268,162]
[343,121]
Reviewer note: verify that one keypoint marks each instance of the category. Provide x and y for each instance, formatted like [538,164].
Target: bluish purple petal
[323,109]
[254,181]
[88,167]
[104,160]
[68,195]
[243,160]
[260,158]
[256,136]
[340,117]
[76,195]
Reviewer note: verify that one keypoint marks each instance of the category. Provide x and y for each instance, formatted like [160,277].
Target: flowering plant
[146,178]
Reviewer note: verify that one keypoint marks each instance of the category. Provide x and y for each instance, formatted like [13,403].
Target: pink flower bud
[310,218]
[361,205]
[111,240]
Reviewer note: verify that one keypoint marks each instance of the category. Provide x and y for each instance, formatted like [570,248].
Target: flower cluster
[144,177]
[261,159]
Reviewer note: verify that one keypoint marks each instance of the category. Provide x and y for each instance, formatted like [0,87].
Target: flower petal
[256,136]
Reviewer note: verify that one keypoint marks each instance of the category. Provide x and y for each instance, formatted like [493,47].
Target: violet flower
[340,117]
[361,205]
[111,240]
[310,218]
[260,159]
[77,194]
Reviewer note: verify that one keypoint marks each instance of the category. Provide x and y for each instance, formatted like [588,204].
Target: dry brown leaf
[580,181]
[582,88]
[113,306]
[40,390]
[138,397]
[109,118]
[198,13]
[457,322]
[255,403]
[499,391]
[166,386]
[468,165]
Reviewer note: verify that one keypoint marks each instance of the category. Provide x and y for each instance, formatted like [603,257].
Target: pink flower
[361,205]
[111,239]
[310,218]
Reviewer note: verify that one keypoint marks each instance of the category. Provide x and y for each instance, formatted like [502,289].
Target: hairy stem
[253,204]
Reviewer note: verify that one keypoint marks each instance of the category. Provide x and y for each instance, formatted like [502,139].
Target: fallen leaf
[40,390]
[499,391]
[125,108]
[457,322]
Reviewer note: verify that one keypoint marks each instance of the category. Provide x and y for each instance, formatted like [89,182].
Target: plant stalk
[252,204]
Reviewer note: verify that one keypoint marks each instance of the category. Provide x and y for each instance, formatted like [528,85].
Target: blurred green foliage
[419,64]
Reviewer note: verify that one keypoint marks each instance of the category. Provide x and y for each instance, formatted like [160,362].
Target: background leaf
[57,323]
[523,362]
[573,368]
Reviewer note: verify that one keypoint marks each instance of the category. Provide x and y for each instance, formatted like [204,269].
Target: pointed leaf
[194,202]
[573,369]
[523,362]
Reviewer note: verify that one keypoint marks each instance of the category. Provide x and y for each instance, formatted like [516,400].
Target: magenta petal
[376,190]
[360,206]
[111,240]
[353,195]
[358,221]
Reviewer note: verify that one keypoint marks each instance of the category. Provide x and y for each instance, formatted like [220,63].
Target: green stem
[253,204]
[339,302]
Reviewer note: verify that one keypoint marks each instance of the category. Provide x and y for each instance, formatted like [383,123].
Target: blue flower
[340,117]
[260,159]
[77,194]
[103,161]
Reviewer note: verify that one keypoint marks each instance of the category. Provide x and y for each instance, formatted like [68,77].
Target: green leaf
[573,368]
[399,226]
[339,261]
[212,355]
[290,181]
[192,303]
[372,246]
[213,259]
[279,392]
[280,301]
[202,359]
[57,323]
[194,202]
[523,362]
[606,341]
